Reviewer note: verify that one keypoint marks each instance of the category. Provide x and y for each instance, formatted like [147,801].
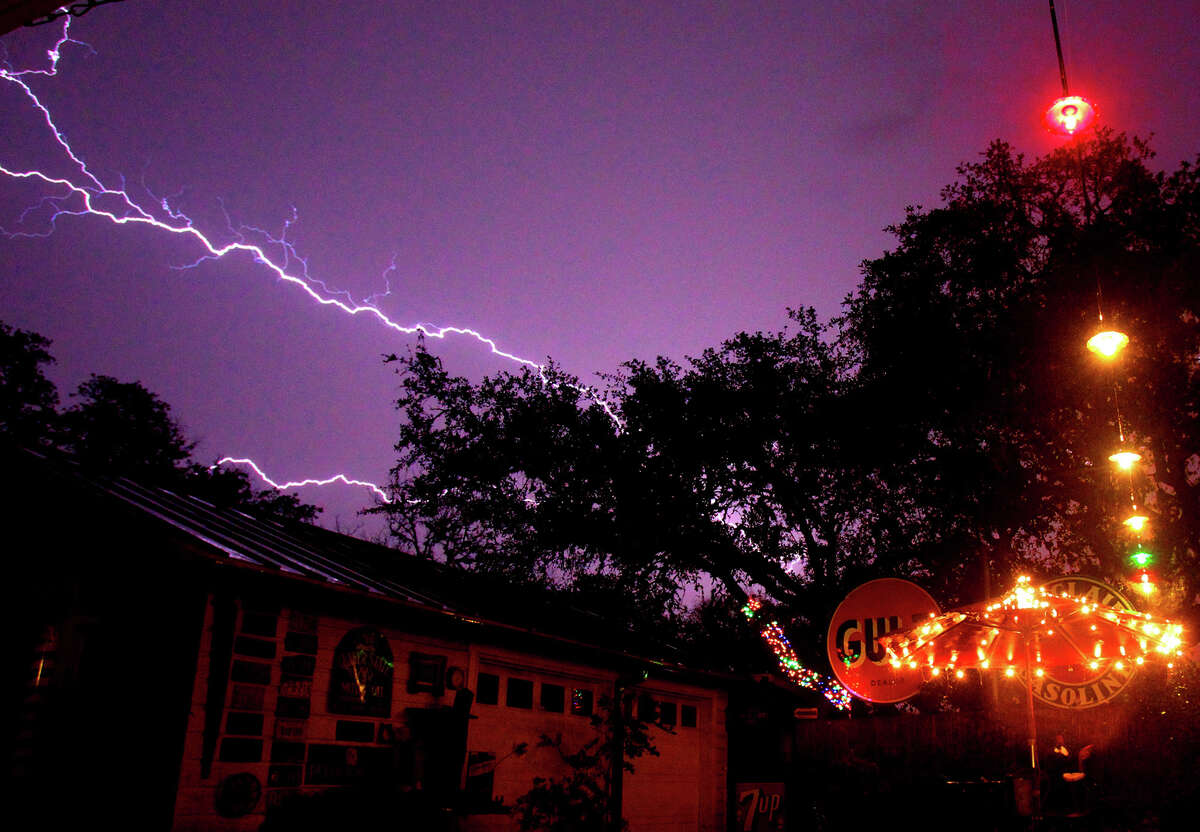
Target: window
[553,697]
[520,693]
[666,713]
[647,708]
[487,689]
[687,716]
[581,702]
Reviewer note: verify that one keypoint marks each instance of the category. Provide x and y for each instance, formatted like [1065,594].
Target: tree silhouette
[973,329]
[28,400]
[118,429]
[950,417]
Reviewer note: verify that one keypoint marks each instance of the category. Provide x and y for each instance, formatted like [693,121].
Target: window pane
[520,693]
[687,716]
[487,689]
[553,697]
[646,708]
[666,713]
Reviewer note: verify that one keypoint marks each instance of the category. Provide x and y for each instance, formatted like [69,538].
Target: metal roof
[265,542]
[318,554]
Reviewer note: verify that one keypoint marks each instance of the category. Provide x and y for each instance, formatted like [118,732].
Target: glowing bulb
[958,674]
[1067,116]
[1137,522]
[1009,671]
[1125,459]
[1107,344]
[1141,558]
[1039,673]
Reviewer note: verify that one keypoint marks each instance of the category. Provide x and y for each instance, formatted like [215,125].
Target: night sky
[588,181]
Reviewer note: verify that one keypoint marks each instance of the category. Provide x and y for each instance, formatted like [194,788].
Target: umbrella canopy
[1060,631]
[1030,630]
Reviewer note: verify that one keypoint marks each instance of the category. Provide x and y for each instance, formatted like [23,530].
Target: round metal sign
[869,612]
[1083,686]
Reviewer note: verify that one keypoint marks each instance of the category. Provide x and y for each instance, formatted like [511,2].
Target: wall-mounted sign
[299,688]
[426,673]
[759,807]
[1080,686]
[344,765]
[248,698]
[869,612]
[361,681]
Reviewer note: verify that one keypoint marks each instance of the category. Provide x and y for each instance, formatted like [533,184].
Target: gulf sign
[870,612]
[1079,686]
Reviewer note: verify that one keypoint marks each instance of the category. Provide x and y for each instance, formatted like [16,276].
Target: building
[174,666]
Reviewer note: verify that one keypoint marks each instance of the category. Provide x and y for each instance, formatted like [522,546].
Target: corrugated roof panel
[261,542]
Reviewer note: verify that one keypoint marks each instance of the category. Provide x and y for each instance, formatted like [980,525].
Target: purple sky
[588,181]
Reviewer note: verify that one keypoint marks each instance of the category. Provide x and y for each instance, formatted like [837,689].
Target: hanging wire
[1062,66]
[1062,73]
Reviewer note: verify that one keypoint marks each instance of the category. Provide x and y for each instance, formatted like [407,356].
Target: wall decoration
[255,672]
[285,776]
[248,698]
[299,622]
[291,707]
[300,643]
[348,730]
[241,750]
[287,752]
[361,680]
[341,765]
[298,665]
[237,795]
[290,729]
[426,673]
[259,648]
[298,688]
[242,723]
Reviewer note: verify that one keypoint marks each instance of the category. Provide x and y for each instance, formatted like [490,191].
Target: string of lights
[1059,629]
[1070,116]
[791,666]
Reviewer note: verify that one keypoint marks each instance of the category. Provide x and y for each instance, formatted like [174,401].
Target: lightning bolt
[89,196]
[84,194]
[284,486]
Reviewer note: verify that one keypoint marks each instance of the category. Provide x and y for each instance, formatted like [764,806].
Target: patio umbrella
[1031,630]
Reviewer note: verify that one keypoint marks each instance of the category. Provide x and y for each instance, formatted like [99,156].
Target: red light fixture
[1069,115]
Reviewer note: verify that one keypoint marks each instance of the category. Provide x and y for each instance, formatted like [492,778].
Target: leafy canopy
[950,419]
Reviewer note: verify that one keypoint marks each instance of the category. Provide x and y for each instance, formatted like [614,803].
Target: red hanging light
[1069,115]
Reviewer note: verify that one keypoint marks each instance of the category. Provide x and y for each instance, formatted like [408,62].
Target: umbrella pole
[1033,755]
